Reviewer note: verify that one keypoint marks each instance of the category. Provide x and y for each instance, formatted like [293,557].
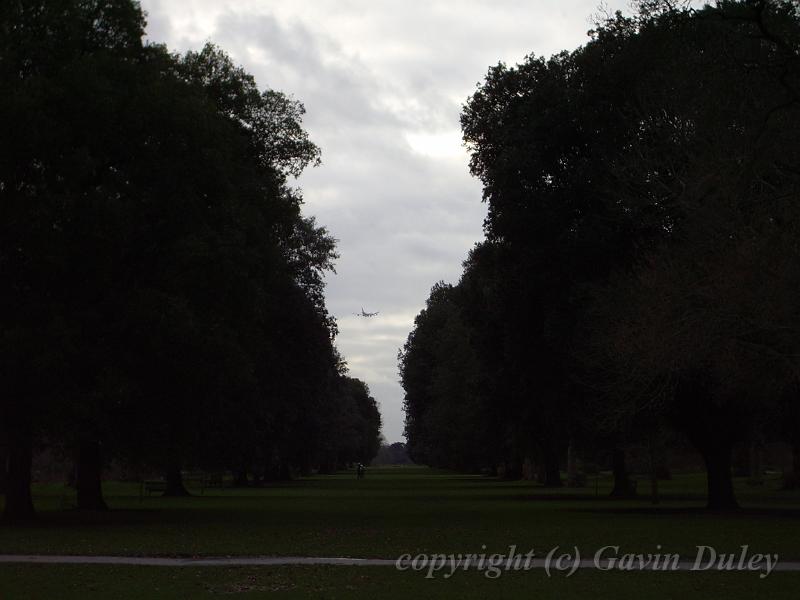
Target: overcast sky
[383,84]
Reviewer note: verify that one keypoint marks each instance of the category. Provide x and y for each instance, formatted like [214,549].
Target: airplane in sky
[363,313]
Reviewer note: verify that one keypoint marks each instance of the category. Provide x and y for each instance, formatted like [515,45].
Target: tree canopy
[641,195]
[164,298]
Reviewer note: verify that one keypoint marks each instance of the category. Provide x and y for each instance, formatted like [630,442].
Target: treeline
[162,299]
[640,273]
[392,454]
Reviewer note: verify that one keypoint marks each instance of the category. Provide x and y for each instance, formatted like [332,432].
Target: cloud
[383,84]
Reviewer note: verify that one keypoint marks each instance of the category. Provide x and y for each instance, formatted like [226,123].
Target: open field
[368,583]
[392,512]
[402,510]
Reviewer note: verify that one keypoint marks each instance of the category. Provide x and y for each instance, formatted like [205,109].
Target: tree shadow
[655,510]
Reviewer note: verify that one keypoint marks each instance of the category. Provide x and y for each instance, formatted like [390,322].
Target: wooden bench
[195,478]
[214,480]
[204,480]
[152,485]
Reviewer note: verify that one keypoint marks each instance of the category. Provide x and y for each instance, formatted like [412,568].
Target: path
[247,561]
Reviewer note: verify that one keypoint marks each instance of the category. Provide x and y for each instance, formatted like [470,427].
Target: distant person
[360,471]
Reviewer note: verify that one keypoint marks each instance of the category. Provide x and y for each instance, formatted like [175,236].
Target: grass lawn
[35,582]
[392,512]
[400,510]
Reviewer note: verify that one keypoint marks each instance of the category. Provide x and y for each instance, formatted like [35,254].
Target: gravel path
[243,561]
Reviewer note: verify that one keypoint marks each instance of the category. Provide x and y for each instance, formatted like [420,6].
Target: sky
[383,83]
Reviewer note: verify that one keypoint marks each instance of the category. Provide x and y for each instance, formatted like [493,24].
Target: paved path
[227,561]
[244,561]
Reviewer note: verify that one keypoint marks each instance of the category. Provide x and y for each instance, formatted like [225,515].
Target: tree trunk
[791,478]
[277,472]
[306,467]
[3,469]
[327,467]
[572,465]
[623,487]
[755,470]
[240,479]
[654,497]
[541,472]
[552,472]
[662,471]
[528,469]
[89,477]
[796,462]
[513,470]
[175,483]
[720,479]
[19,502]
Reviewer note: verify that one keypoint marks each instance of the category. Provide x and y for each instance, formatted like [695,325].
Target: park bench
[214,480]
[204,480]
[195,478]
[152,485]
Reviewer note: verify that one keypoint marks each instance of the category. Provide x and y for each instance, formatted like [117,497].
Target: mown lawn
[394,511]
[370,583]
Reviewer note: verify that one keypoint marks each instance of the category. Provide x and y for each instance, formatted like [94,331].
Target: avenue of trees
[392,454]
[640,274]
[162,300]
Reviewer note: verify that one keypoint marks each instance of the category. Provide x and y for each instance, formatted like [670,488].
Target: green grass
[413,510]
[122,583]
[392,512]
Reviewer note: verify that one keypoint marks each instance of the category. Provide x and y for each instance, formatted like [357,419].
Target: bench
[204,480]
[214,480]
[196,479]
[152,485]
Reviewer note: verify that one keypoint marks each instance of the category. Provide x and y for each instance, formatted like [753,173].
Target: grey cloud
[370,74]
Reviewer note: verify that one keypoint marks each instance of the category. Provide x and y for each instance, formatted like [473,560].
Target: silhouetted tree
[164,292]
[51,55]
[700,330]
[640,210]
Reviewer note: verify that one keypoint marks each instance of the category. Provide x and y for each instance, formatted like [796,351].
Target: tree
[639,191]
[700,330]
[449,422]
[542,135]
[165,300]
[392,454]
[43,50]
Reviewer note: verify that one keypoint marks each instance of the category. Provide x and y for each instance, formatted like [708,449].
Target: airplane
[363,313]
